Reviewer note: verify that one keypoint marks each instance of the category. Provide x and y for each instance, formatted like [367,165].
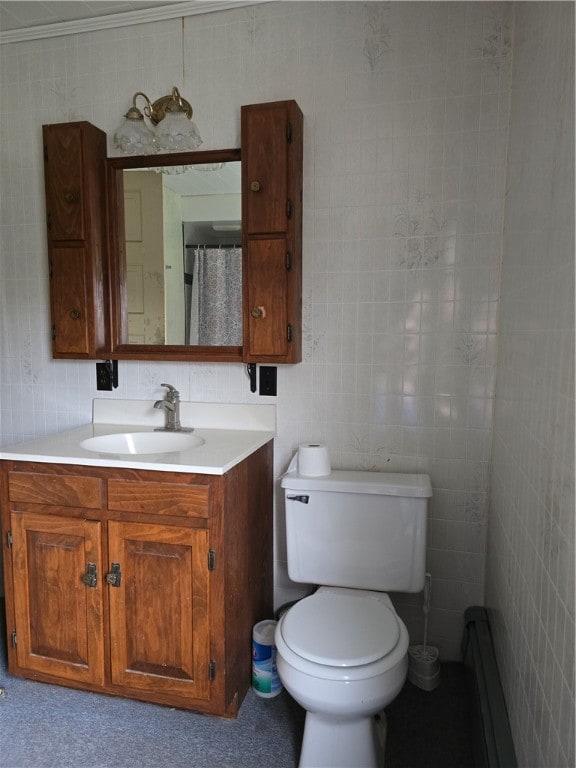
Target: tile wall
[530,562]
[406,114]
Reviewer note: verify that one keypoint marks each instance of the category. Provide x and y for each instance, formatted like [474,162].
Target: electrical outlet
[268,380]
[107,375]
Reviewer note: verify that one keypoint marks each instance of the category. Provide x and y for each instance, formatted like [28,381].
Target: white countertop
[231,433]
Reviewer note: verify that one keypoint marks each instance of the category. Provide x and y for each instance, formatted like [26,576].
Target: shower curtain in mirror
[219,296]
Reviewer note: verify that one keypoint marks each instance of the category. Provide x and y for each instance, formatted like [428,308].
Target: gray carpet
[46,726]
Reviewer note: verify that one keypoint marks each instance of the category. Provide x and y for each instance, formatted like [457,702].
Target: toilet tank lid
[360,481]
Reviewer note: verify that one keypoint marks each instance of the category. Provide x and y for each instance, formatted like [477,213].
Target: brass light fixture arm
[157,110]
[134,113]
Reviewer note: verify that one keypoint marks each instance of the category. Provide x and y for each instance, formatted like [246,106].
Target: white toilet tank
[364,530]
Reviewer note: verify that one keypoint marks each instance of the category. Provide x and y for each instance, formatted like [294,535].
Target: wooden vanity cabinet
[138,583]
[272,231]
[74,155]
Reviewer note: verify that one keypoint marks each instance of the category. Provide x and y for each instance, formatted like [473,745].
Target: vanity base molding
[138,583]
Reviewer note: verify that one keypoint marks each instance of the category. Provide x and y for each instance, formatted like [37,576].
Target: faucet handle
[173,393]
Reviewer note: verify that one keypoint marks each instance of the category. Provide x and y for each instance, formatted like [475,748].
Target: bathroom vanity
[141,575]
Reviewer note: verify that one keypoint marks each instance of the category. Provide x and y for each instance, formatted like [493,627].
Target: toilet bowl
[342,655]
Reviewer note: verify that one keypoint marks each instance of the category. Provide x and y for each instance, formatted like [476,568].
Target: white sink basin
[142,442]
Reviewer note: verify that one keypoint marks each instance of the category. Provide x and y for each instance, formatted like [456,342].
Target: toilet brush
[423,664]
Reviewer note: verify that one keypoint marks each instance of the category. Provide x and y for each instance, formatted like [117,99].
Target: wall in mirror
[183,248]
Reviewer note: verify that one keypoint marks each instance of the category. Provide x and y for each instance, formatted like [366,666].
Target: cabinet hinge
[288,209]
[288,261]
[211,559]
[212,670]
[9,539]
[288,132]
[53,333]
[14,638]
[289,332]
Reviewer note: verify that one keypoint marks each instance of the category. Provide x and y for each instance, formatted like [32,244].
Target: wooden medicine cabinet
[135,241]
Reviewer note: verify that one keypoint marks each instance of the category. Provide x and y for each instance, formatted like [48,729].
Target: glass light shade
[177,133]
[134,137]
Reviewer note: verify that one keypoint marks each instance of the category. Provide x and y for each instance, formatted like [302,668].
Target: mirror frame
[116,262]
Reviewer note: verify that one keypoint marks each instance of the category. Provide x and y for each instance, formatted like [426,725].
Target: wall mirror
[175,256]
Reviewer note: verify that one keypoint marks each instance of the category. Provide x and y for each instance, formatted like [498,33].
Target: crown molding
[161,13]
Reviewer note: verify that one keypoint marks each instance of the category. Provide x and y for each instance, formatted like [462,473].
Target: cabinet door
[159,609]
[74,156]
[265,151]
[59,618]
[64,171]
[267,289]
[69,297]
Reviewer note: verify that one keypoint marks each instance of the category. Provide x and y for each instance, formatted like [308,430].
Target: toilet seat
[341,628]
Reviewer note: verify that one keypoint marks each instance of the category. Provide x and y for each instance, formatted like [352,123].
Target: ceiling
[30,20]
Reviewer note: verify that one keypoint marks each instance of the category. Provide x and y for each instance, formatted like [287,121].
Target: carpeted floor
[45,726]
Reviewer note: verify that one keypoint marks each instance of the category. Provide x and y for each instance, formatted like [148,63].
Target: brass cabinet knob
[258,312]
[69,197]
[255,186]
[74,314]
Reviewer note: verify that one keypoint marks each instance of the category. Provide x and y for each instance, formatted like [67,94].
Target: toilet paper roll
[313,460]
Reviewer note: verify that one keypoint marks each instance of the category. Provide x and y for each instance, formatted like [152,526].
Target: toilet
[342,652]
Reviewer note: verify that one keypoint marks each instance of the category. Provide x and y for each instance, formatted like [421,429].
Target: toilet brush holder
[424,666]
[423,663]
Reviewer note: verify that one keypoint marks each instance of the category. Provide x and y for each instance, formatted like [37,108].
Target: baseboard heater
[493,745]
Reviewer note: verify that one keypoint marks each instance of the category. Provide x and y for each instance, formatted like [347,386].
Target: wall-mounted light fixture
[173,129]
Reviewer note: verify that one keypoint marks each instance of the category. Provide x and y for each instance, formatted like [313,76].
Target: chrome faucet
[171,405]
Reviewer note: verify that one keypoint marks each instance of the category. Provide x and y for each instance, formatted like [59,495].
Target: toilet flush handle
[301,499]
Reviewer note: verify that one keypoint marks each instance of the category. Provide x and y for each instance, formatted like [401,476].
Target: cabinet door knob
[69,197]
[255,186]
[258,312]
[74,314]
